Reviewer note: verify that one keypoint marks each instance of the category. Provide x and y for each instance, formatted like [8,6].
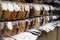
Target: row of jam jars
[33,23]
[37,10]
[19,10]
[24,11]
[14,10]
[48,19]
[37,22]
[7,9]
[12,28]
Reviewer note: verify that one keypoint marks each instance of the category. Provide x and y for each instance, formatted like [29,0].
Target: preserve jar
[36,10]
[31,11]
[46,10]
[36,22]
[8,29]
[22,26]
[14,30]
[15,11]
[22,12]
[6,10]
[1,11]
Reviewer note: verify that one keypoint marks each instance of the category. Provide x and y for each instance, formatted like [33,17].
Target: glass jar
[6,14]
[13,14]
[22,12]
[31,11]
[46,10]
[7,8]
[36,22]
[15,11]
[14,30]
[8,29]
[22,26]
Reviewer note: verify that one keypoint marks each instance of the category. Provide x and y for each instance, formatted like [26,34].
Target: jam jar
[15,11]
[46,10]
[22,12]
[7,10]
[8,29]
[36,22]
[36,10]
[14,30]
[22,26]
[31,11]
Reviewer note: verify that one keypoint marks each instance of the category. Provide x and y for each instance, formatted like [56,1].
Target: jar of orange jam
[15,11]
[8,29]
[7,8]
[22,12]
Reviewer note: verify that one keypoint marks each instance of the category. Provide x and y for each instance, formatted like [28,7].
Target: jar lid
[36,7]
[16,7]
[9,25]
[4,6]
[46,7]
[10,7]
